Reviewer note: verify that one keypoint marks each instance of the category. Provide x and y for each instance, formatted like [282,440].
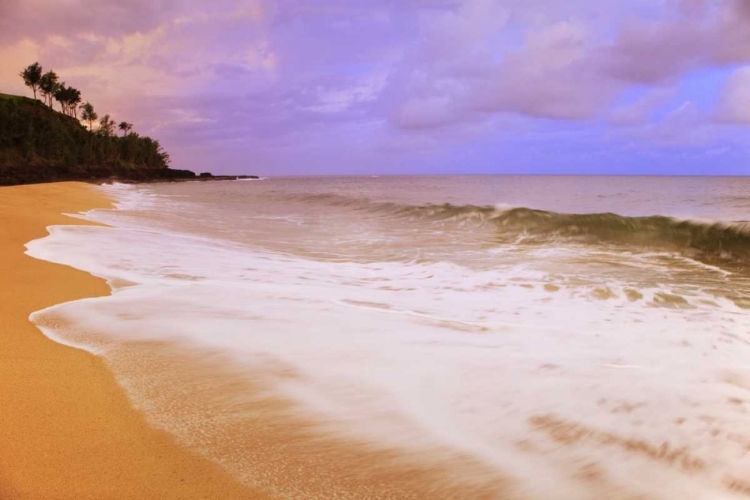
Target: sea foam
[536,375]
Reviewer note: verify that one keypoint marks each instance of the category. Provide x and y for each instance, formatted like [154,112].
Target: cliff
[38,144]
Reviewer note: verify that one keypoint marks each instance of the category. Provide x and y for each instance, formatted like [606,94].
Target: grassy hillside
[10,96]
[38,144]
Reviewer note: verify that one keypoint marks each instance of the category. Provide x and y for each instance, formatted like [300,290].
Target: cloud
[734,104]
[262,76]
[547,77]
[461,32]
[39,19]
[697,34]
[340,98]
[683,127]
[566,69]
[641,110]
[428,112]
[14,57]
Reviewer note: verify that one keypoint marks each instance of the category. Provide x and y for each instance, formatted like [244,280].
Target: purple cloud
[284,81]
[565,69]
[734,101]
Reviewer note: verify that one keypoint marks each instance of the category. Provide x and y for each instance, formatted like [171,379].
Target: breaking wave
[726,241]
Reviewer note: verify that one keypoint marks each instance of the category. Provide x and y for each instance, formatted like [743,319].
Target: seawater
[499,337]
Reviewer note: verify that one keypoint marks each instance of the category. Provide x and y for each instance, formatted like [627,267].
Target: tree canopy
[49,84]
[89,115]
[50,87]
[32,133]
[69,99]
[106,126]
[32,76]
[125,127]
[36,137]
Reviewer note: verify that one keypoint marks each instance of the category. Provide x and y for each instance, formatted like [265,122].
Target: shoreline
[226,413]
[125,180]
[68,429]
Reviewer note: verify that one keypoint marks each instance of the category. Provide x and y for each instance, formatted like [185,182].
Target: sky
[320,87]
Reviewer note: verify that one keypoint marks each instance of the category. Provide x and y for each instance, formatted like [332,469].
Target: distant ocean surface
[503,337]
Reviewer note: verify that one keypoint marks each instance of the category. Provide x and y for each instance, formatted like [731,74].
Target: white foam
[418,354]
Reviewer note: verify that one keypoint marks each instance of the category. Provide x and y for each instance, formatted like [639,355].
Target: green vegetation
[49,84]
[39,144]
[89,115]
[69,99]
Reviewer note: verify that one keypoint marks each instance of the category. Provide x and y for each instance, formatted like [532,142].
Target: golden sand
[67,429]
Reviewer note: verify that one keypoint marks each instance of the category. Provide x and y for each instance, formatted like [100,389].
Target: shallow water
[550,337]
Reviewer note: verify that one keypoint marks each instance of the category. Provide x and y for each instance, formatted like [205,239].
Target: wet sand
[67,429]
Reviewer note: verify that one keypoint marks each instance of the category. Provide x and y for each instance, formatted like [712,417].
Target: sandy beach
[67,429]
[231,358]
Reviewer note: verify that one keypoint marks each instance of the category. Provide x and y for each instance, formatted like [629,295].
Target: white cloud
[337,100]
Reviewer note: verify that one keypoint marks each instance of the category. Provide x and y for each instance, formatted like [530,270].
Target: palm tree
[48,85]
[73,99]
[125,127]
[89,115]
[61,95]
[32,76]
[106,126]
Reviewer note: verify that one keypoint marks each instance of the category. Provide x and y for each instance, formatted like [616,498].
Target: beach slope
[67,429]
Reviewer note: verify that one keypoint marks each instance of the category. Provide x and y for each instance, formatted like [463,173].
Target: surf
[478,361]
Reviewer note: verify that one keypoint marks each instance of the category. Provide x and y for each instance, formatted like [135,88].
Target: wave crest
[729,241]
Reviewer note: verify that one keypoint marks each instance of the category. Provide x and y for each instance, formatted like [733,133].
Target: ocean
[431,337]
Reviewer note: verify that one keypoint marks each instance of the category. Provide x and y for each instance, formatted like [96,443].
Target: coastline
[263,439]
[68,429]
[296,378]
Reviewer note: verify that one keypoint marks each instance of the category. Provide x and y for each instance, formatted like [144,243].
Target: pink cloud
[38,19]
